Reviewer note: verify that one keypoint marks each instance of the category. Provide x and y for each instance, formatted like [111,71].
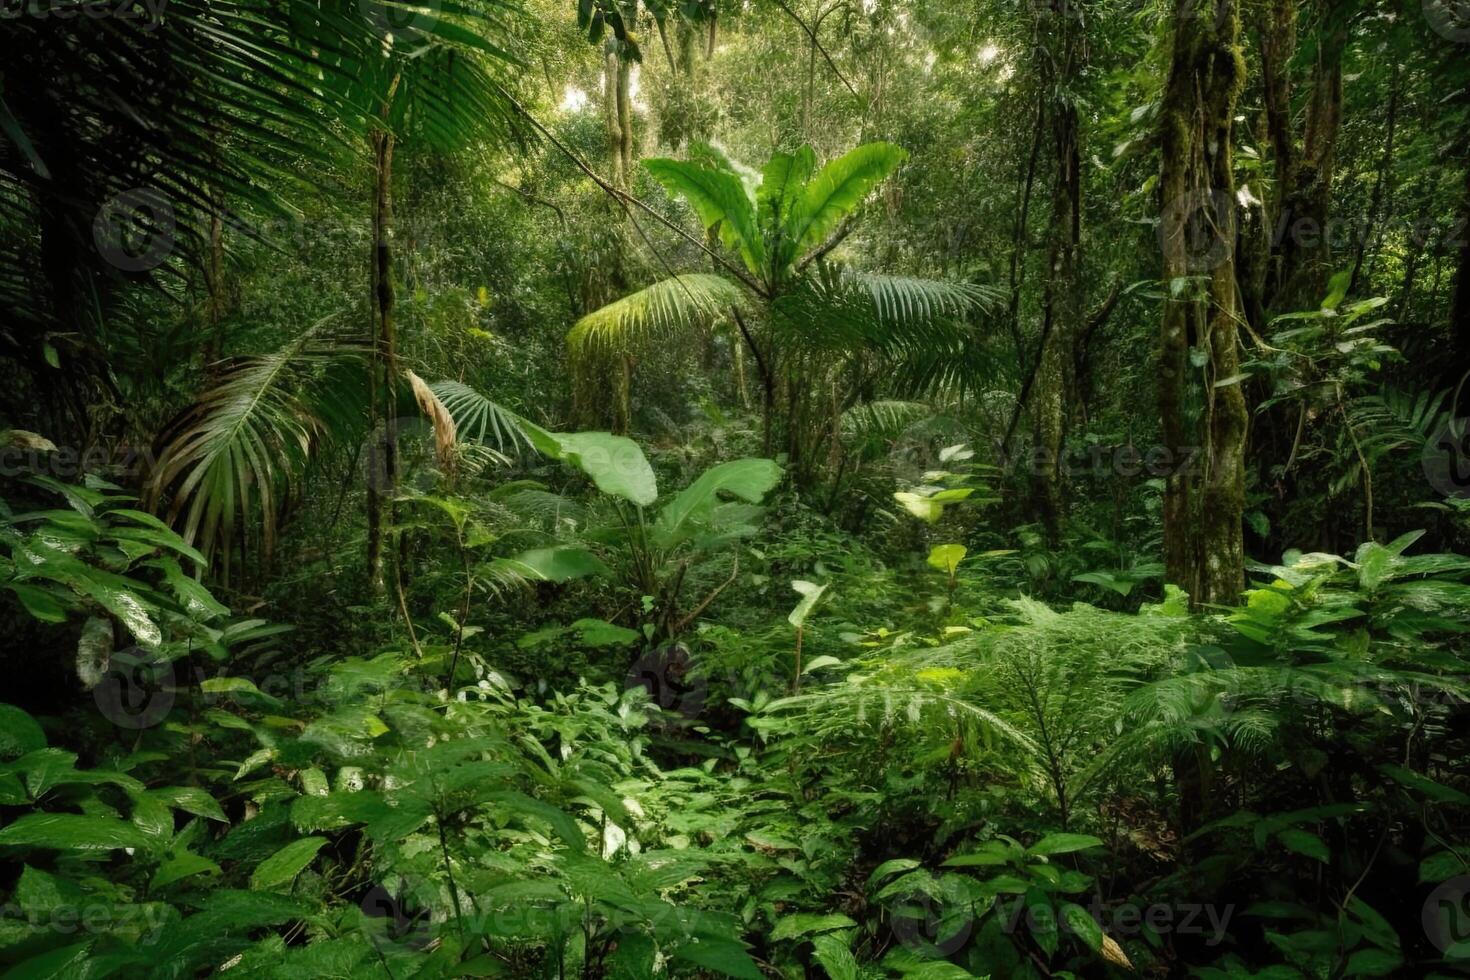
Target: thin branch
[625,199]
[821,253]
[818,45]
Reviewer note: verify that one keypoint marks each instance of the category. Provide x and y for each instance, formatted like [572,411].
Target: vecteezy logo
[398,914]
[1199,228]
[135,231]
[1446,917]
[137,691]
[1450,19]
[401,18]
[667,674]
[932,927]
[1446,459]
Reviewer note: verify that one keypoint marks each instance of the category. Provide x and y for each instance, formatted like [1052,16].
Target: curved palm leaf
[479,418]
[667,307]
[236,455]
[214,107]
[720,200]
[837,190]
[842,311]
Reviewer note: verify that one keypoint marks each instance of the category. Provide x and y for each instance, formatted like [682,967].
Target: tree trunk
[611,116]
[1203,502]
[1062,292]
[382,472]
[1303,231]
[625,119]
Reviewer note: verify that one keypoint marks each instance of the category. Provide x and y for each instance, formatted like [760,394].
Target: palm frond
[234,458]
[837,190]
[841,311]
[479,418]
[883,420]
[665,308]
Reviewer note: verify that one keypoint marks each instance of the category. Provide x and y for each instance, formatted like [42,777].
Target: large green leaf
[559,564]
[615,463]
[837,190]
[723,955]
[72,832]
[811,594]
[749,479]
[284,865]
[19,733]
[720,200]
[782,182]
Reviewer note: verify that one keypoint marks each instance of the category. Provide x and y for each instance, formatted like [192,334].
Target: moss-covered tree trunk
[382,471]
[1302,233]
[611,120]
[1201,403]
[1062,294]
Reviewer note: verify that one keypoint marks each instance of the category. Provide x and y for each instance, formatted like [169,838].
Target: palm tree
[807,322]
[217,110]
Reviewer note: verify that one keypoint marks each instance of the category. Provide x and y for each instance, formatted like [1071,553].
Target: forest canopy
[842,489]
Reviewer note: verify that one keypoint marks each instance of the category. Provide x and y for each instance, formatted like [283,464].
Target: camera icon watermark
[399,914]
[400,18]
[930,926]
[667,673]
[1199,228]
[136,230]
[137,690]
[1450,19]
[1446,917]
[1445,459]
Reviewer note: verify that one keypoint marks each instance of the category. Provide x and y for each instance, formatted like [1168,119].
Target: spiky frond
[668,307]
[220,108]
[234,458]
[479,418]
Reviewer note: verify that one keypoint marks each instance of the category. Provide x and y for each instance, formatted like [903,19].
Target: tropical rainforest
[688,489]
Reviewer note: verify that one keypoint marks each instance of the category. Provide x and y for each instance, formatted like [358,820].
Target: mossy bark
[1201,404]
[1062,296]
[382,478]
[1302,234]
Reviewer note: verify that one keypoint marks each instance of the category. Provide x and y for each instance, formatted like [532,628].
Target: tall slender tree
[1201,403]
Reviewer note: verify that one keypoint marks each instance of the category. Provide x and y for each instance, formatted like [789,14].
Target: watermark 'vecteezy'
[1446,917]
[136,230]
[1450,19]
[148,14]
[1445,458]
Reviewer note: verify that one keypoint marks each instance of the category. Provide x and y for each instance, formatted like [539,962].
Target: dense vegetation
[793,488]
